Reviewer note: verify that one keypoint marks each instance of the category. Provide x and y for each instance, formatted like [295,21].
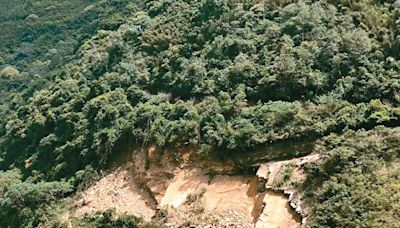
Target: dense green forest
[80,81]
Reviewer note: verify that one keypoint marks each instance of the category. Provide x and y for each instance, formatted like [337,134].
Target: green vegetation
[26,204]
[357,184]
[107,219]
[37,46]
[83,82]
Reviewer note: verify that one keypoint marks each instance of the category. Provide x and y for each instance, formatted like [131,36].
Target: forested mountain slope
[38,37]
[81,83]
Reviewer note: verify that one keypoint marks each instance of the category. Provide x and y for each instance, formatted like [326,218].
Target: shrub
[9,72]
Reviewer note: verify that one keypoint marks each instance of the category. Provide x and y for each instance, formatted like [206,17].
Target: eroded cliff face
[180,192]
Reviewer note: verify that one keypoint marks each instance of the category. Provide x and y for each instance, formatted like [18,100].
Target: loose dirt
[185,183]
[116,191]
[194,195]
[277,213]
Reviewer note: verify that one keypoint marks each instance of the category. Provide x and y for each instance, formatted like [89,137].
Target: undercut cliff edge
[180,189]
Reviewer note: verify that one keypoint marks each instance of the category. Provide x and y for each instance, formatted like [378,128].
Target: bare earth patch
[185,182]
[197,199]
[117,190]
[277,212]
[192,196]
[230,193]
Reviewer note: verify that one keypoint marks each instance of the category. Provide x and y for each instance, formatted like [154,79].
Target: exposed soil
[277,212]
[116,191]
[195,195]
[217,197]
[234,199]
[229,193]
[186,182]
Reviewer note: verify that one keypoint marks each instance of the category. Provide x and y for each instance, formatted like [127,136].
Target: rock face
[221,195]
[271,173]
[231,193]
[184,184]
[277,212]
[199,194]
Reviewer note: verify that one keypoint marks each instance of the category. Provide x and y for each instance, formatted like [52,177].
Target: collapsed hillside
[194,194]
[243,81]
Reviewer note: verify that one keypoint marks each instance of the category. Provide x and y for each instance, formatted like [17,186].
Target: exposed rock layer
[196,194]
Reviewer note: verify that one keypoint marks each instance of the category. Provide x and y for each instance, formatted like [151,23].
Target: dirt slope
[119,191]
[193,194]
[277,212]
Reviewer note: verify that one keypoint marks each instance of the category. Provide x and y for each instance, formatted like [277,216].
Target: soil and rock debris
[197,194]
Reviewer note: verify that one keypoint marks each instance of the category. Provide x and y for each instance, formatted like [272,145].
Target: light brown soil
[221,201]
[229,193]
[222,197]
[277,203]
[186,182]
[277,212]
[228,201]
[148,180]
[115,191]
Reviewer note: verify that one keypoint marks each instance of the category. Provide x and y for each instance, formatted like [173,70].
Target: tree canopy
[84,81]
